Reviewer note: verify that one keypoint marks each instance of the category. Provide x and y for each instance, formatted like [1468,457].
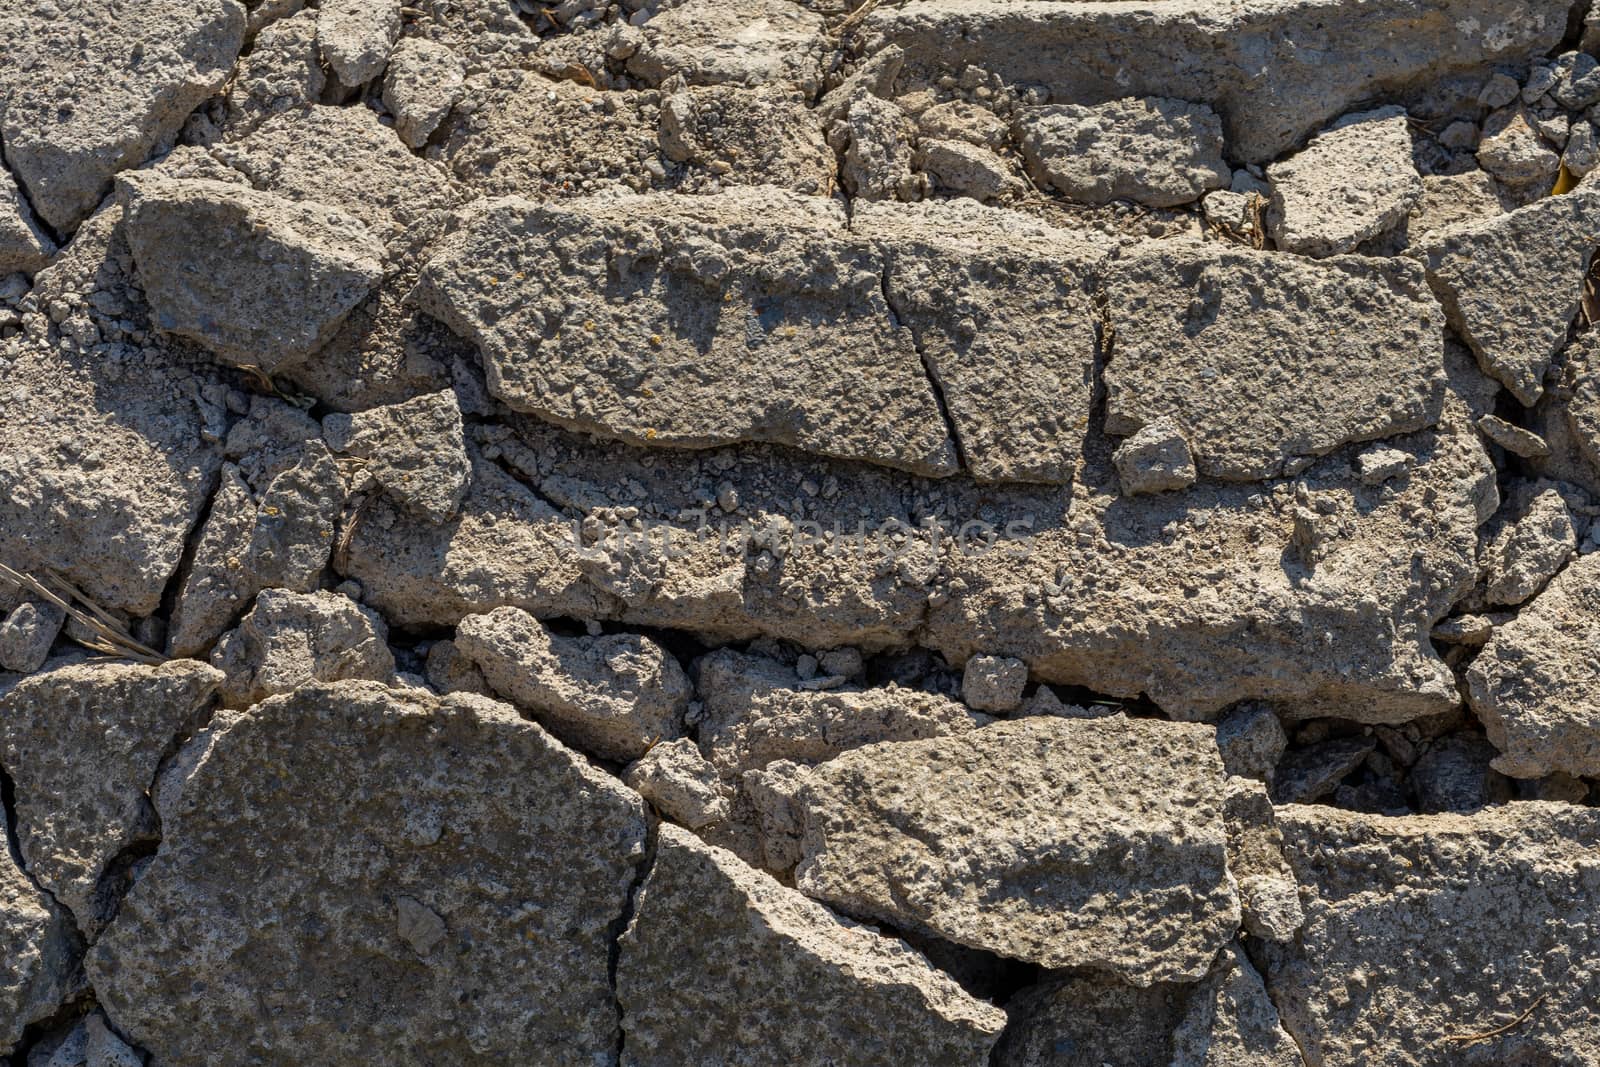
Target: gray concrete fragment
[1532,549]
[423,82]
[23,246]
[1512,150]
[27,634]
[968,170]
[713,42]
[356,36]
[415,449]
[676,779]
[40,953]
[82,744]
[1252,741]
[1154,459]
[1268,896]
[1454,774]
[282,71]
[922,834]
[760,975]
[613,696]
[875,140]
[1155,150]
[292,639]
[1266,361]
[1514,439]
[993,683]
[1314,771]
[524,851]
[1352,182]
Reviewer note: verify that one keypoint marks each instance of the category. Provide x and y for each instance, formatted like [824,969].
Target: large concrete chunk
[1442,940]
[1030,839]
[712,42]
[82,744]
[357,874]
[39,954]
[1268,361]
[1354,181]
[1536,684]
[613,695]
[722,964]
[260,281]
[1157,151]
[690,322]
[1511,284]
[94,90]
[1000,308]
[1276,70]
[292,639]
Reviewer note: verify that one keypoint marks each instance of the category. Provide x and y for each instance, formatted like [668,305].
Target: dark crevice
[8,805]
[27,199]
[928,369]
[42,1034]
[620,925]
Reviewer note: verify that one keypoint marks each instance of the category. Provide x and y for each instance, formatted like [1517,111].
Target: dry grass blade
[1485,1035]
[856,17]
[110,638]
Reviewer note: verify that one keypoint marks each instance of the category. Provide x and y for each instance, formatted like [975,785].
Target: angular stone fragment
[93,91]
[415,449]
[1423,931]
[674,777]
[39,953]
[292,639]
[722,964]
[1266,362]
[993,683]
[422,84]
[1251,741]
[1027,839]
[82,744]
[260,281]
[486,34]
[1528,552]
[1352,182]
[1514,439]
[282,71]
[23,246]
[1454,774]
[1000,309]
[1154,459]
[1512,150]
[27,633]
[1511,284]
[691,322]
[1314,771]
[875,141]
[524,852]
[1155,150]
[968,170]
[754,712]
[613,696]
[1278,72]
[1378,464]
[1268,896]
[712,42]
[1536,684]
[449,671]
[355,37]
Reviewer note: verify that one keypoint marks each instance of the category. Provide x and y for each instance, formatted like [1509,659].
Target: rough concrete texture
[967,467]
[390,797]
[778,979]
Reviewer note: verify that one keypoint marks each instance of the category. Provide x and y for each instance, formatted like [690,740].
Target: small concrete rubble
[287,640]
[1351,183]
[415,449]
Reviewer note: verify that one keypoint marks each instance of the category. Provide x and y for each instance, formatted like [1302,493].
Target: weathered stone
[95,91]
[1532,549]
[356,36]
[675,778]
[716,342]
[712,42]
[259,280]
[1447,200]
[422,84]
[1251,741]
[292,639]
[1314,771]
[968,170]
[1514,439]
[721,963]
[1268,896]
[922,834]
[1000,309]
[614,695]
[39,953]
[1512,150]
[282,71]
[415,449]
[449,671]
[82,744]
[1441,940]
[486,34]
[993,683]
[27,634]
[1154,459]
[1536,682]
[875,139]
[1353,182]
[1454,774]
[1266,361]
[1379,464]
[458,804]
[1155,150]
[23,246]
[754,712]
[1252,64]
[1510,285]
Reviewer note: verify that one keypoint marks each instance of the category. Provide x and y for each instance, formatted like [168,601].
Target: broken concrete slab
[82,744]
[415,449]
[613,695]
[282,71]
[1530,550]
[528,872]
[1511,284]
[676,779]
[1351,183]
[754,711]
[23,246]
[714,42]
[1534,683]
[289,639]
[1402,959]
[1000,307]
[921,834]
[260,281]
[1266,361]
[93,92]
[759,973]
[674,330]
[40,954]
[1154,150]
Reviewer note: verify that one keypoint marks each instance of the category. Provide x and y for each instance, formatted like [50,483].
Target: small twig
[113,640]
[856,17]
[1485,1035]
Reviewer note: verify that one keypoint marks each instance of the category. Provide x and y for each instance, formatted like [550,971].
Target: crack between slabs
[620,925]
